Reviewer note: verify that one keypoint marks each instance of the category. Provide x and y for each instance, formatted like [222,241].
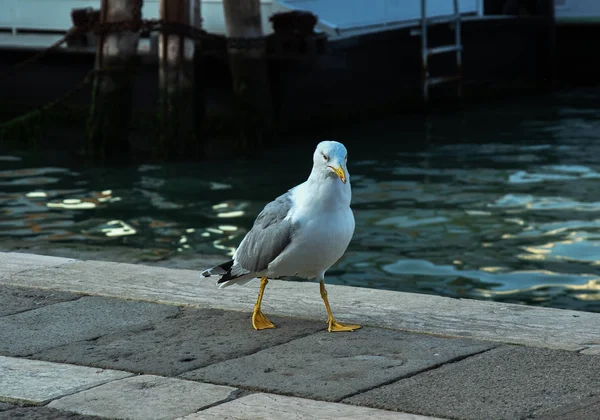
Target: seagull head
[330,159]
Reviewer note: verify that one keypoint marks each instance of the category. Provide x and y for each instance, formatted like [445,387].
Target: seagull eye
[325,157]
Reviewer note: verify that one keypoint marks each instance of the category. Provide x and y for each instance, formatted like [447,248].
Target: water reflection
[467,210]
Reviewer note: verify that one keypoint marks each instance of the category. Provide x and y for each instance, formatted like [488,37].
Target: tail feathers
[228,272]
[218,270]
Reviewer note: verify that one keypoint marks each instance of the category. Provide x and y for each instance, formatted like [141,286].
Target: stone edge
[465,318]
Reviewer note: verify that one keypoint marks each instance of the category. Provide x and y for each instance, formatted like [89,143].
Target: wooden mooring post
[180,109]
[246,48]
[116,60]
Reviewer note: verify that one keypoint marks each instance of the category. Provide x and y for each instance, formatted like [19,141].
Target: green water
[499,202]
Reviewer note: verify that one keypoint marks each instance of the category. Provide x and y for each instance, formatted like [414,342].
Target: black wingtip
[222,269]
[226,277]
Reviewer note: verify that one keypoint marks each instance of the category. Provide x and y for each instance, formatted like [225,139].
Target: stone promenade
[96,340]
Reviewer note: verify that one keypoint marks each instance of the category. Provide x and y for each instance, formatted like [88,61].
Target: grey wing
[269,236]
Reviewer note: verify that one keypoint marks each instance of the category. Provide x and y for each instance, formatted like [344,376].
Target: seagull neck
[326,191]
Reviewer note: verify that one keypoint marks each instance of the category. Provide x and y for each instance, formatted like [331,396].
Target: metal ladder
[427,52]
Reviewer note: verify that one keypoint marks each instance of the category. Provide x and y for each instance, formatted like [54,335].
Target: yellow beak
[339,171]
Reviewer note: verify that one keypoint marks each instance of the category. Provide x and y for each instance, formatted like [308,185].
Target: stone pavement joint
[21,263]
[330,366]
[14,300]
[591,349]
[509,382]
[43,413]
[424,370]
[587,408]
[270,406]
[35,382]
[144,397]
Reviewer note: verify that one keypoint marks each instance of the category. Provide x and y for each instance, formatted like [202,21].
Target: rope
[102,28]
[21,119]
[38,56]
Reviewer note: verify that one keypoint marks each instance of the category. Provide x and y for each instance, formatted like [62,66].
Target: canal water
[497,202]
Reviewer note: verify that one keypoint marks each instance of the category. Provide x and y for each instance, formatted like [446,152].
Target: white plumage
[301,233]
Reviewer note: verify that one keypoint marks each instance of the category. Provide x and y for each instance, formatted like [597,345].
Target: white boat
[37,24]
[577,12]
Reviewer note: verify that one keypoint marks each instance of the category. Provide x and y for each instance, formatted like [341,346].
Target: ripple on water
[554,173]
[531,202]
[493,280]
[469,211]
[406,221]
[578,248]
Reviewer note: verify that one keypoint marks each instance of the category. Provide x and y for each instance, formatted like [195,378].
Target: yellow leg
[334,326]
[259,321]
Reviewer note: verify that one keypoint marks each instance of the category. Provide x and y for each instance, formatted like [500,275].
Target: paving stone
[330,366]
[270,406]
[14,263]
[509,382]
[592,349]
[24,381]
[144,397]
[82,319]
[5,406]
[44,413]
[196,338]
[21,299]
[585,409]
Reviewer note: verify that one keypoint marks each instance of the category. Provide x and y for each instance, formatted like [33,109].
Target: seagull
[301,233]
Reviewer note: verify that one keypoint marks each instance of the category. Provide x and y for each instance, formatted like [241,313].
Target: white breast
[322,230]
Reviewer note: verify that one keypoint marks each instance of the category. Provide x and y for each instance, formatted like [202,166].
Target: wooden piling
[116,60]
[178,118]
[247,60]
